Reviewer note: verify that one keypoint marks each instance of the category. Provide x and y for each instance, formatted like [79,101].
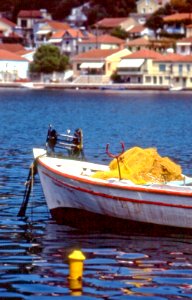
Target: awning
[54,41]
[39,32]
[91,65]
[131,63]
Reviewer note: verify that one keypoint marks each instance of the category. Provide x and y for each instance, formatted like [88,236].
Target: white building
[12,66]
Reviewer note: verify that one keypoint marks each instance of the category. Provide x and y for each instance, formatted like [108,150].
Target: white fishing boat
[68,184]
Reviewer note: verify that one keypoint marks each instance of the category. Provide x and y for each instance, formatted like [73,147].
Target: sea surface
[34,250]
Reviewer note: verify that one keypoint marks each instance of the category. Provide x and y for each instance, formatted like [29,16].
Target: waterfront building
[97,65]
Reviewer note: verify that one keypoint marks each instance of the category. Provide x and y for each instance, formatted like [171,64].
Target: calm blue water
[34,250]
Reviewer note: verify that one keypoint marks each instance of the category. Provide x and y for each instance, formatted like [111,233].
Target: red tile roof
[8,22]
[95,54]
[185,40]
[11,47]
[172,57]
[136,29]
[104,39]
[58,25]
[58,34]
[178,17]
[110,22]
[144,53]
[74,33]
[138,42]
[7,55]
[33,14]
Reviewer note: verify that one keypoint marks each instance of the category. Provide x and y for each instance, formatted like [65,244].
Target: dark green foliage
[119,32]
[60,9]
[155,22]
[48,59]
[116,78]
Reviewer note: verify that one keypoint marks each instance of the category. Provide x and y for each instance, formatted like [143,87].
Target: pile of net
[142,166]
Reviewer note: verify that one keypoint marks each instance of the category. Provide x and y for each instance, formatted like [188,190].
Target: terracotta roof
[74,33]
[104,39]
[11,47]
[58,34]
[136,29]
[144,53]
[7,55]
[138,42]
[177,17]
[24,52]
[30,14]
[172,57]
[95,54]
[8,22]
[185,40]
[58,25]
[110,22]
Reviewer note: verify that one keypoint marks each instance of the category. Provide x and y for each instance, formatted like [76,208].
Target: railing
[73,144]
[92,79]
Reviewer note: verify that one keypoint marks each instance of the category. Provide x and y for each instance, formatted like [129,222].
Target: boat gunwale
[89,180]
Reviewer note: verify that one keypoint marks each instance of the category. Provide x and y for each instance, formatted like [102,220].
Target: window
[162,67]
[148,79]
[180,68]
[23,23]
[183,49]
[188,67]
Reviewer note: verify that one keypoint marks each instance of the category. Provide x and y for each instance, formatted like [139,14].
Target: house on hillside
[26,20]
[184,46]
[159,45]
[67,40]
[44,29]
[138,44]
[106,25]
[105,41]
[150,6]
[139,31]
[189,30]
[13,66]
[7,27]
[97,65]
[77,16]
[176,23]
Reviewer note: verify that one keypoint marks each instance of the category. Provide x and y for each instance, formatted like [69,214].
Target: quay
[89,86]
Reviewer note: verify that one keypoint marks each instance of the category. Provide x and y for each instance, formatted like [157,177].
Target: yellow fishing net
[142,166]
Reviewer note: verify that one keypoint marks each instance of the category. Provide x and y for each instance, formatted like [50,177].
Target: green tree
[119,32]
[48,59]
[154,22]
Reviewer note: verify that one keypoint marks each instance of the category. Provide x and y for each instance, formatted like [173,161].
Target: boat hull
[158,206]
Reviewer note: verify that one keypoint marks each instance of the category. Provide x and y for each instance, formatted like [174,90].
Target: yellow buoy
[76,259]
[75,286]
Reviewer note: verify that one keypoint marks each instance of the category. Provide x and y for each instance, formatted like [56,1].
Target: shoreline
[101,87]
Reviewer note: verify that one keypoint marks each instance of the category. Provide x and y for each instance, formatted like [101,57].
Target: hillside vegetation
[99,9]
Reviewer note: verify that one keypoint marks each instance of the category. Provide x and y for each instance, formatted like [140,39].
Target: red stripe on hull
[62,184]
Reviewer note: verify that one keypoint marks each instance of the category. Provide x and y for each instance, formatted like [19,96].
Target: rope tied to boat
[29,185]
